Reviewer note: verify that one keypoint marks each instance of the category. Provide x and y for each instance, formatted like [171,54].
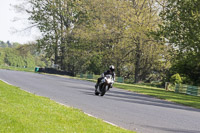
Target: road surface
[129,110]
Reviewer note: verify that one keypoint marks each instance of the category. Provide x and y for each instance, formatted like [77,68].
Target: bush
[176,79]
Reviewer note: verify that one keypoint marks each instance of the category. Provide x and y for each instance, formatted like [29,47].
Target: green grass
[17,68]
[188,100]
[23,112]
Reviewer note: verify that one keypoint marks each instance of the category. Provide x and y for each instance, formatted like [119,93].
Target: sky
[11,30]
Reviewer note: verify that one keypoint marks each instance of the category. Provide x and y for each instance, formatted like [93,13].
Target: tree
[3,44]
[90,35]
[119,32]
[2,56]
[56,20]
[22,56]
[143,50]
[180,29]
[176,79]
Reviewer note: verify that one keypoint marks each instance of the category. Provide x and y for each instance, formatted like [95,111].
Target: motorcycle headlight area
[109,80]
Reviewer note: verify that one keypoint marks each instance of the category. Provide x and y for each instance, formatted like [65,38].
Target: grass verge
[188,100]
[21,111]
[17,68]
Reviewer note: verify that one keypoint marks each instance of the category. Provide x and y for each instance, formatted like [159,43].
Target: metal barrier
[187,89]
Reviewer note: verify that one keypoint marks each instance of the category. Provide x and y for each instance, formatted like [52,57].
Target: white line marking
[5,82]
[99,118]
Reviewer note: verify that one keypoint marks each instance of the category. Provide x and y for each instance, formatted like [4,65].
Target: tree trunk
[137,68]
[137,62]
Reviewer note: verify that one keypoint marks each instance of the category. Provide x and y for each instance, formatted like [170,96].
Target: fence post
[166,86]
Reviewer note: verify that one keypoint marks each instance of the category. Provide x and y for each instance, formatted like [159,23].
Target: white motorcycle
[104,85]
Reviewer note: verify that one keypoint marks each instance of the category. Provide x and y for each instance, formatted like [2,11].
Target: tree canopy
[145,40]
[21,56]
[88,36]
[180,29]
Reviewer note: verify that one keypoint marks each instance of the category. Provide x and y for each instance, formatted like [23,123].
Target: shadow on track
[131,97]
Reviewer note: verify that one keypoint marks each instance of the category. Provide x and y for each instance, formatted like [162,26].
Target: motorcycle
[104,85]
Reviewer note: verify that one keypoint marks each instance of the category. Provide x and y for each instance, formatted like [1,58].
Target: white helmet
[112,68]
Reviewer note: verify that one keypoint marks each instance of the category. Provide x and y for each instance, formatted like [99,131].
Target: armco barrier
[187,89]
[53,71]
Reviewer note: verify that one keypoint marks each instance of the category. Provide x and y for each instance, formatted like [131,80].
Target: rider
[110,71]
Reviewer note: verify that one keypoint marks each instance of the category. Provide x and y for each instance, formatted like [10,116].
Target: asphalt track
[132,111]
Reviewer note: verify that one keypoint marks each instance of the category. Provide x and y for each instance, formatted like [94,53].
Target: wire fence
[187,89]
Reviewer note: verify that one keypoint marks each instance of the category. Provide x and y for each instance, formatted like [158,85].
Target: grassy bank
[17,68]
[21,112]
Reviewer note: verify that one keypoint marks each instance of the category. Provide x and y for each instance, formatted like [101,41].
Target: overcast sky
[8,27]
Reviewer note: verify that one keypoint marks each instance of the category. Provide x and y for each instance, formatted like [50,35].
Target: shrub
[176,79]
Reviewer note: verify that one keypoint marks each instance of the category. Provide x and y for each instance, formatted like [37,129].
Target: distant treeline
[8,44]
[21,55]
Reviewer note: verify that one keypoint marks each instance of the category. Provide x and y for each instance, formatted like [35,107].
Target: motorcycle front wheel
[103,90]
[96,92]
